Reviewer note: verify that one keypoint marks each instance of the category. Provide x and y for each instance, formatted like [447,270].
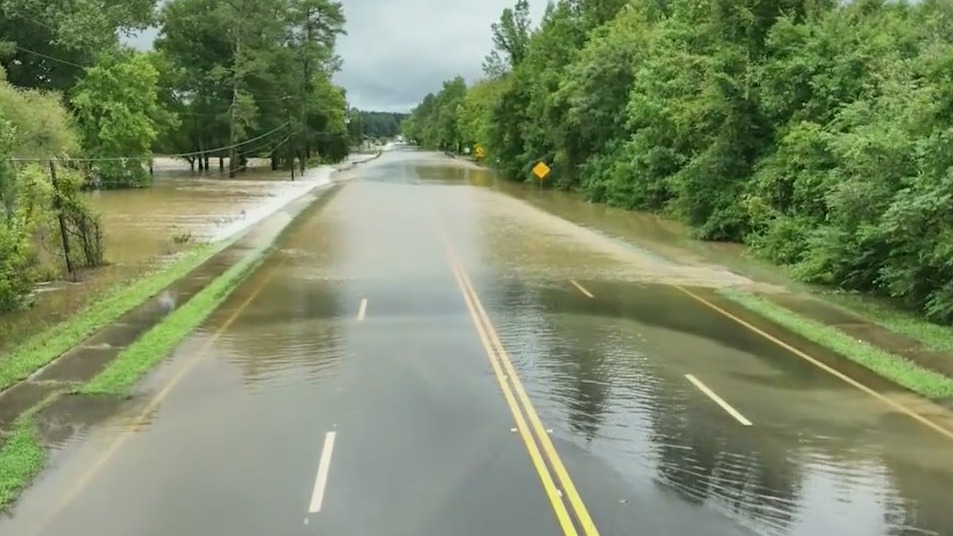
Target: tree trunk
[274,159]
[58,207]
[221,164]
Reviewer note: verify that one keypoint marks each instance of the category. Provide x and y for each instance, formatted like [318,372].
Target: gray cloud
[397,51]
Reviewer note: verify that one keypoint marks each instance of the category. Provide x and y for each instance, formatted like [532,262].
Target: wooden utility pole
[233,134]
[58,207]
[287,100]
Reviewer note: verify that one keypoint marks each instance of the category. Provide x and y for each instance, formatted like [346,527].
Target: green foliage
[246,68]
[117,111]
[45,44]
[436,123]
[377,125]
[32,123]
[816,131]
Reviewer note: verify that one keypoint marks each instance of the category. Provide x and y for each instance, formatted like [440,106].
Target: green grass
[22,455]
[893,367]
[141,356]
[933,336]
[21,458]
[46,346]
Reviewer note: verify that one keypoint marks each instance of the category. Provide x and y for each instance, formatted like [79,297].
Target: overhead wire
[258,99]
[268,97]
[139,157]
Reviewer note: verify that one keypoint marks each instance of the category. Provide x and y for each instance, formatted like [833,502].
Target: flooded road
[426,357]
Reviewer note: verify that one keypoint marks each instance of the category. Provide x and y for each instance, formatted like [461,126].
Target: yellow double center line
[531,430]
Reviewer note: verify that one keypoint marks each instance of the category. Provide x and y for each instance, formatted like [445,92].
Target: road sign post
[541,170]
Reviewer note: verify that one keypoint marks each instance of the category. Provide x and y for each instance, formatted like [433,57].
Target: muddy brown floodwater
[656,236]
[147,227]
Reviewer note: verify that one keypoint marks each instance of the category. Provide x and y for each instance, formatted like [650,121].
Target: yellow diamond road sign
[541,170]
[479,151]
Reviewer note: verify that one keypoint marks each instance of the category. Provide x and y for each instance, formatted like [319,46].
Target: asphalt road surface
[427,356]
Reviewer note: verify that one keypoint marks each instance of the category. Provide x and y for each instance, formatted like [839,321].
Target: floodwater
[363,329]
[655,234]
[145,228]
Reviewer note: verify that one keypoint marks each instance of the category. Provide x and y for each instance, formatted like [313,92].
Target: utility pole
[233,111]
[287,99]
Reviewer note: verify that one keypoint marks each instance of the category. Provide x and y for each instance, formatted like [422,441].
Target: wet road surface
[426,357]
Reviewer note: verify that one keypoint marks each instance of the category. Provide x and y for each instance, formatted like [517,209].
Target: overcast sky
[397,51]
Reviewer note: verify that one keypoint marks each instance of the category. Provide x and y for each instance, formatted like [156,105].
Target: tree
[815,131]
[256,79]
[510,40]
[46,44]
[34,126]
[118,114]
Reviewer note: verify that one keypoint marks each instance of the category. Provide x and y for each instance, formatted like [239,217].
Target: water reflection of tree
[576,366]
[293,323]
[699,457]
[921,502]
[584,368]
[703,460]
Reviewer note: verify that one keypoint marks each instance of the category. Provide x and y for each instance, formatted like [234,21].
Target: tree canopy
[815,131]
[376,125]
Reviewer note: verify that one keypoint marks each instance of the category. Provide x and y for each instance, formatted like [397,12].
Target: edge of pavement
[112,360]
[901,348]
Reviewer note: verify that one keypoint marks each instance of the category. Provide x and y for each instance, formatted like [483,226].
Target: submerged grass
[44,347]
[141,356]
[22,455]
[895,368]
[932,336]
[21,458]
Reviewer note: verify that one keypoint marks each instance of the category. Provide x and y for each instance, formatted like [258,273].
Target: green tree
[510,40]
[816,131]
[117,110]
[46,44]
[35,126]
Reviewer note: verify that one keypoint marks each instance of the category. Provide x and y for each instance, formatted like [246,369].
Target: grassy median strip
[933,336]
[22,456]
[141,356]
[46,346]
[893,367]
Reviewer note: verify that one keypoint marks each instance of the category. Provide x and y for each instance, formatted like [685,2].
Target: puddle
[70,418]
[21,397]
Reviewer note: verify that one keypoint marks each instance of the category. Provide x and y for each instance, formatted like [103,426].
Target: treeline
[78,109]
[816,131]
[375,125]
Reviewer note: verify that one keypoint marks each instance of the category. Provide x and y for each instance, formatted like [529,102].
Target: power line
[271,98]
[178,155]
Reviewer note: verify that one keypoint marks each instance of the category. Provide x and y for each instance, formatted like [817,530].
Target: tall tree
[510,40]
